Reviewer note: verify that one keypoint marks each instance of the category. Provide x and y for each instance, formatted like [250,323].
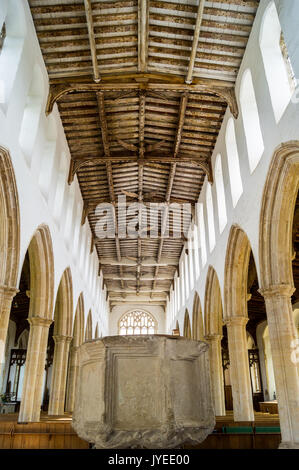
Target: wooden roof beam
[223,90]
[146,277]
[182,112]
[105,140]
[92,42]
[143,30]
[151,262]
[196,33]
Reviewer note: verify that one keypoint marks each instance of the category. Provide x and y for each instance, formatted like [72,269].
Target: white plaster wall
[37,207]
[246,214]
[117,312]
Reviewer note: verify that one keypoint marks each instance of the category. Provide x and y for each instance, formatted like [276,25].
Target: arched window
[12,39]
[251,121]
[236,185]
[196,250]
[222,216]
[202,233]
[32,114]
[2,36]
[137,322]
[278,68]
[191,260]
[186,276]
[210,213]
[48,157]
[60,189]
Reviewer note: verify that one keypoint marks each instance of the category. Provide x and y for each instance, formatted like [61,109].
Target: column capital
[8,291]
[62,339]
[213,337]
[282,290]
[236,321]
[39,321]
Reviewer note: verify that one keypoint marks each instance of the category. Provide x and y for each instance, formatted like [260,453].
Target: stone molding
[281,290]
[236,321]
[39,321]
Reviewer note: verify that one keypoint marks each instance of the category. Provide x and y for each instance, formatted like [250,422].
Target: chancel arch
[187,325]
[197,323]
[41,262]
[9,243]
[73,368]
[213,334]
[62,336]
[278,250]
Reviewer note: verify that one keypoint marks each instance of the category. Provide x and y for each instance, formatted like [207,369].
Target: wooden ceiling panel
[142,87]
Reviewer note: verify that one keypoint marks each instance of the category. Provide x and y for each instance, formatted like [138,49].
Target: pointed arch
[197,323]
[277,213]
[96,335]
[187,325]
[236,273]
[88,331]
[10,222]
[177,327]
[41,273]
[78,332]
[63,314]
[213,304]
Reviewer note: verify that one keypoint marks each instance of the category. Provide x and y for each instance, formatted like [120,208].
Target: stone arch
[236,273]
[78,332]
[177,327]
[73,370]
[276,218]
[213,304]
[236,317]
[277,283]
[187,325]
[96,335]
[63,314]
[88,331]
[41,274]
[213,335]
[10,222]
[9,243]
[41,262]
[197,323]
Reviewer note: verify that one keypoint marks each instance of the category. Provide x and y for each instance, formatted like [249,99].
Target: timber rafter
[141,87]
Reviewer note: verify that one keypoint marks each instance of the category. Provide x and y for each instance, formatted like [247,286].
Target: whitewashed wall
[246,213]
[40,158]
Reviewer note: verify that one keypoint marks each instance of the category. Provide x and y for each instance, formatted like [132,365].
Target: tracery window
[137,322]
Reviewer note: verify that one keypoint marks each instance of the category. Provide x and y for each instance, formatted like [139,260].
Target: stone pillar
[216,374]
[34,370]
[59,372]
[284,347]
[6,296]
[72,379]
[239,369]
